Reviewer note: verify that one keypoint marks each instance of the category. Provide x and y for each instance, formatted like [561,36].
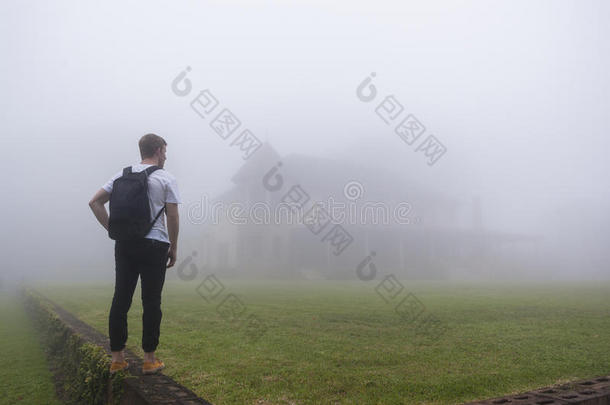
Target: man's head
[152,149]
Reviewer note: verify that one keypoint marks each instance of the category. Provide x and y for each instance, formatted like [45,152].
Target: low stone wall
[80,362]
[594,391]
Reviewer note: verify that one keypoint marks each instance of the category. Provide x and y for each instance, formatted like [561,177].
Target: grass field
[339,342]
[24,375]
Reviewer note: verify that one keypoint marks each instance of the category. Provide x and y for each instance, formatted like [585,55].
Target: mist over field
[513,186]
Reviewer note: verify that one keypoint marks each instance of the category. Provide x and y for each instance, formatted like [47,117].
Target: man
[146,257]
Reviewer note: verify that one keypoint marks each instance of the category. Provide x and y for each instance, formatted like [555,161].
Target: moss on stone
[83,367]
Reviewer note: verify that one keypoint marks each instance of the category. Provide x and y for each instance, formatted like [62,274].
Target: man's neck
[149,162]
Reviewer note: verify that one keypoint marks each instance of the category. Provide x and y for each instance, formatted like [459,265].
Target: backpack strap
[151,169]
[157,217]
[127,171]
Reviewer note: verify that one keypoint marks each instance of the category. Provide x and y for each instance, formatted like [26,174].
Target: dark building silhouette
[414,231]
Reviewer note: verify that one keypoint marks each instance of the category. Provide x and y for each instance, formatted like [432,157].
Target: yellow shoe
[118,366]
[152,367]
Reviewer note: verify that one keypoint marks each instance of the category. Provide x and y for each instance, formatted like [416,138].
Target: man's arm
[97,206]
[171,211]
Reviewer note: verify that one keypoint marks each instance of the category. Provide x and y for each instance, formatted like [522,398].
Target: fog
[517,93]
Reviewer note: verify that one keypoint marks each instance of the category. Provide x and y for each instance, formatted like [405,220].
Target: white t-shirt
[162,188]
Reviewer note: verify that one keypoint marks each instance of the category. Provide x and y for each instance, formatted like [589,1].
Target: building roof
[326,177]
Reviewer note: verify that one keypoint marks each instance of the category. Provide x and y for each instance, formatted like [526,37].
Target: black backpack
[129,206]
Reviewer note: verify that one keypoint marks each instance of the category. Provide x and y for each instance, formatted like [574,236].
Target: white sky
[518,91]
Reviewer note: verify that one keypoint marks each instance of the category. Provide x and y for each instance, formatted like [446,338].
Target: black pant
[146,258]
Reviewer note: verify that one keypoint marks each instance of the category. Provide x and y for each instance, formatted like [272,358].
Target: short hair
[149,144]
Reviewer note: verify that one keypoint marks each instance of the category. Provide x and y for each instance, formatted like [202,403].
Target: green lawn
[339,342]
[24,375]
